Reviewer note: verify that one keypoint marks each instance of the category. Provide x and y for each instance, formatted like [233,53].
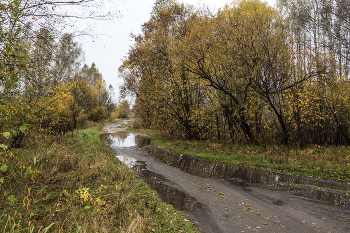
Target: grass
[327,162]
[98,126]
[74,183]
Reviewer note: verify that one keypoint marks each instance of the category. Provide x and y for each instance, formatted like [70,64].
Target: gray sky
[108,50]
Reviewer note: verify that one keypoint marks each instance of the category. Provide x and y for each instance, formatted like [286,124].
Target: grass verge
[328,162]
[74,183]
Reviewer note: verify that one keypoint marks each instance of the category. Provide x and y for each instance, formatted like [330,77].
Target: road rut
[219,206]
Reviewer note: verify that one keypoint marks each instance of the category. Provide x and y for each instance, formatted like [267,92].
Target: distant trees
[249,73]
[123,110]
[43,88]
[320,30]
[44,91]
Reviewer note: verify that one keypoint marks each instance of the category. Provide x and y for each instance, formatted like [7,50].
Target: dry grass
[75,184]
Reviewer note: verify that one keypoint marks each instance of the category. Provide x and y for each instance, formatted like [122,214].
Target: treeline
[44,87]
[248,73]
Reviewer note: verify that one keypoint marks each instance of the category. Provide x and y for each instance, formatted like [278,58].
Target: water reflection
[124,139]
[236,175]
[244,176]
[196,166]
[130,162]
[171,195]
[180,200]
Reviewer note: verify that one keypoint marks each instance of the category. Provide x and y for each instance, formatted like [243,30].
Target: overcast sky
[113,42]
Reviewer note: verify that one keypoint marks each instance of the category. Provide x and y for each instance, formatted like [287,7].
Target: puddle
[180,200]
[171,195]
[130,162]
[124,139]
[241,176]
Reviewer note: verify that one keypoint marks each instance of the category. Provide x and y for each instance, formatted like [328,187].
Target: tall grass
[75,184]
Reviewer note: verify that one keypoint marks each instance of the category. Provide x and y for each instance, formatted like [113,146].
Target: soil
[218,205]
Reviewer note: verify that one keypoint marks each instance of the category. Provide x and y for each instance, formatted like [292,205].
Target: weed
[75,184]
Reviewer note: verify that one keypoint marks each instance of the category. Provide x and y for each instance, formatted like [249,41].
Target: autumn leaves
[235,75]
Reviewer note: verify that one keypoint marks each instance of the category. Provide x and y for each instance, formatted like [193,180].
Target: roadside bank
[74,183]
[219,201]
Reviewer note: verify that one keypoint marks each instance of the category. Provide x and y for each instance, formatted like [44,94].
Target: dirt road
[221,206]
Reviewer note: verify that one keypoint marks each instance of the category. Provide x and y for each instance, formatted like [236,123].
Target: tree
[91,74]
[160,5]
[67,59]
[29,31]
[123,110]
[320,30]
[249,73]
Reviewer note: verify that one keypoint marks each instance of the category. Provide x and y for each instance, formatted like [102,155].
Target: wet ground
[226,198]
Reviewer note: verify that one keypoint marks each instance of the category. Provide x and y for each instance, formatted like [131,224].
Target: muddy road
[224,198]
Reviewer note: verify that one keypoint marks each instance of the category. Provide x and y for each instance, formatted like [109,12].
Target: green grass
[328,162]
[74,183]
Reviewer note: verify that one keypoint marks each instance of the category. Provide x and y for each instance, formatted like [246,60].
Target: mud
[180,200]
[329,191]
[226,198]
